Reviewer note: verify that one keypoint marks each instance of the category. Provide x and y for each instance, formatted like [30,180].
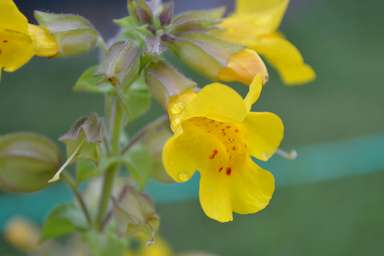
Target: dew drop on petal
[177,108]
[182,176]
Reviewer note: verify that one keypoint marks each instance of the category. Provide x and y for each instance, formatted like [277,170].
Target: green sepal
[121,64]
[164,81]
[204,53]
[135,214]
[27,161]
[92,82]
[201,20]
[73,33]
[84,138]
[63,220]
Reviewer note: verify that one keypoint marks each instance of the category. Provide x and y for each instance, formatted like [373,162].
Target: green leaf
[137,99]
[27,161]
[140,164]
[102,244]
[63,220]
[89,81]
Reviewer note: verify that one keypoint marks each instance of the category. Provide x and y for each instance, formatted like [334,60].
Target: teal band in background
[315,163]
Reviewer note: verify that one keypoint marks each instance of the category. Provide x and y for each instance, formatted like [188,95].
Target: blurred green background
[344,41]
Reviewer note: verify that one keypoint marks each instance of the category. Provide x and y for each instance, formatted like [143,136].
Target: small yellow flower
[158,248]
[217,134]
[255,24]
[242,67]
[19,40]
[22,234]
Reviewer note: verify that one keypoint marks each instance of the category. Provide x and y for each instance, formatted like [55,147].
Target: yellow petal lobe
[11,18]
[285,57]
[263,132]
[251,189]
[254,92]
[215,197]
[190,151]
[16,49]
[218,102]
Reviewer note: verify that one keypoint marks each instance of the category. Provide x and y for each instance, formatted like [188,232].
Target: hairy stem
[73,186]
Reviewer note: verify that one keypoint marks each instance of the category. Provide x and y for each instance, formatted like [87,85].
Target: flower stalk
[111,172]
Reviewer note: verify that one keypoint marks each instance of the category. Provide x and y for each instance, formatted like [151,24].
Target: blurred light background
[330,201]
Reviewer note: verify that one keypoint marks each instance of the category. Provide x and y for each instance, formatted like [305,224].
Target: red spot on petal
[214,154]
[229,171]
[221,168]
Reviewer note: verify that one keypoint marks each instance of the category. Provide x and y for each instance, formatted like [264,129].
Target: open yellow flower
[217,134]
[255,24]
[19,40]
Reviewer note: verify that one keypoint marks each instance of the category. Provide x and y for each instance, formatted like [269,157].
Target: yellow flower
[217,134]
[22,234]
[158,248]
[20,41]
[255,24]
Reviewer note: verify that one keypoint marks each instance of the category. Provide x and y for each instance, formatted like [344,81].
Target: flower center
[230,136]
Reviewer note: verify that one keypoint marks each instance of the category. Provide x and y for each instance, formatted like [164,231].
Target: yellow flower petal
[254,92]
[285,57]
[252,19]
[11,18]
[243,67]
[217,101]
[263,133]
[45,43]
[16,49]
[267,14]
[189,151]
[251,189]
[215,197]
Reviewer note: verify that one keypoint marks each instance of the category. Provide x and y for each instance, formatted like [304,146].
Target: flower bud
[218,60]
[165,81]
[243,67]
[27,161]
[192,21]
[74,34]
[121,64]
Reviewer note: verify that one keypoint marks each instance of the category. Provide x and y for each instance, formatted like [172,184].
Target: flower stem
[113,169]
[73,186]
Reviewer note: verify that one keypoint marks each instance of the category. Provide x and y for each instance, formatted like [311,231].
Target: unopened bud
[121,64]
[27,162]
[74,34]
